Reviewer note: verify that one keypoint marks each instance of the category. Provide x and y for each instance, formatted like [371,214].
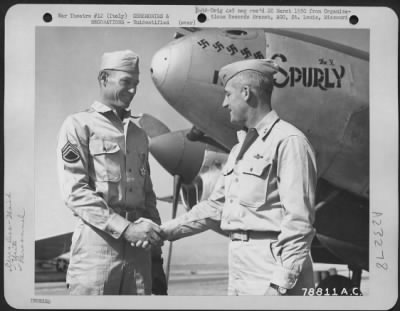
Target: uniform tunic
[105,180]
[270,190]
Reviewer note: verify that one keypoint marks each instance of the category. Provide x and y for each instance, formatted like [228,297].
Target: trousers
[103,265]
[251,265]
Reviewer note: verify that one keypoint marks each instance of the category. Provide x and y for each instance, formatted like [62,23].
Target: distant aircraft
[52,247]
[322,88]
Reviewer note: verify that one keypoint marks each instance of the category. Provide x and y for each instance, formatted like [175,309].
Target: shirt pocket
[254,182]
[106,160]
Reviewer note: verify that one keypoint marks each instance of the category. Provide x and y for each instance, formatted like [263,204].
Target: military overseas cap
[120,60]
[266,67]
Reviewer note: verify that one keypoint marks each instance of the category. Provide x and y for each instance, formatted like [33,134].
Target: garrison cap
[266,67]
[121,60]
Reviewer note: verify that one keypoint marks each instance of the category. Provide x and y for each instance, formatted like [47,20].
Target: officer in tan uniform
[105,180]
[264,198]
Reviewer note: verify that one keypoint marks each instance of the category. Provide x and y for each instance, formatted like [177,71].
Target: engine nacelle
[197,163]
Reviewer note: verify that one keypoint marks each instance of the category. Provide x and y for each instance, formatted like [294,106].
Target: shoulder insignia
[70,153]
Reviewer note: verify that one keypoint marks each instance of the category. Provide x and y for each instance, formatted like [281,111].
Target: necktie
[251,136]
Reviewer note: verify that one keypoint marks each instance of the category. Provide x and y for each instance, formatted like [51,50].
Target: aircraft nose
[159,65]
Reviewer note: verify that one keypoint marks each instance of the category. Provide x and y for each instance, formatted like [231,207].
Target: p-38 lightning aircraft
[322,88]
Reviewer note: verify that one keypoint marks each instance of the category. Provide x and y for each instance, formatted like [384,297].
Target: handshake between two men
[144,233]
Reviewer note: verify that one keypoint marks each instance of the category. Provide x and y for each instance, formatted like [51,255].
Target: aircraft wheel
[61,265]
[338,285]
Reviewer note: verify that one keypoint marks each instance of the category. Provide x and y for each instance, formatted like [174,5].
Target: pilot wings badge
[70,153]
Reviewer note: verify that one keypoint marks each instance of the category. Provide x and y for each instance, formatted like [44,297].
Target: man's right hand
[143,231]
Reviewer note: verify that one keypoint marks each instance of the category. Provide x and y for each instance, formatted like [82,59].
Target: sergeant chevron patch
[70,153]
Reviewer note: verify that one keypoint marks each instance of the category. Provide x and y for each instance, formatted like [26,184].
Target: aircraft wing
[53,246]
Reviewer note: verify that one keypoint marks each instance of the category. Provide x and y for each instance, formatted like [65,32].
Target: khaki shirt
[103,169]
[271,189]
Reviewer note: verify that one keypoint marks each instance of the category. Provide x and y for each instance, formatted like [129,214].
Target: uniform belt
[242,235]
[130,214]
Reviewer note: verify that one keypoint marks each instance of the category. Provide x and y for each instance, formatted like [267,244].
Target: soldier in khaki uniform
[105,179]
[264,198]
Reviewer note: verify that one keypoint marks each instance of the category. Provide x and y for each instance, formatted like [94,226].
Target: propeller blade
[196,134]
[177,188]
[191,29]
[152,126]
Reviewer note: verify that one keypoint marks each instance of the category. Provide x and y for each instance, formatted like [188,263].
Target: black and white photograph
[174,159]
